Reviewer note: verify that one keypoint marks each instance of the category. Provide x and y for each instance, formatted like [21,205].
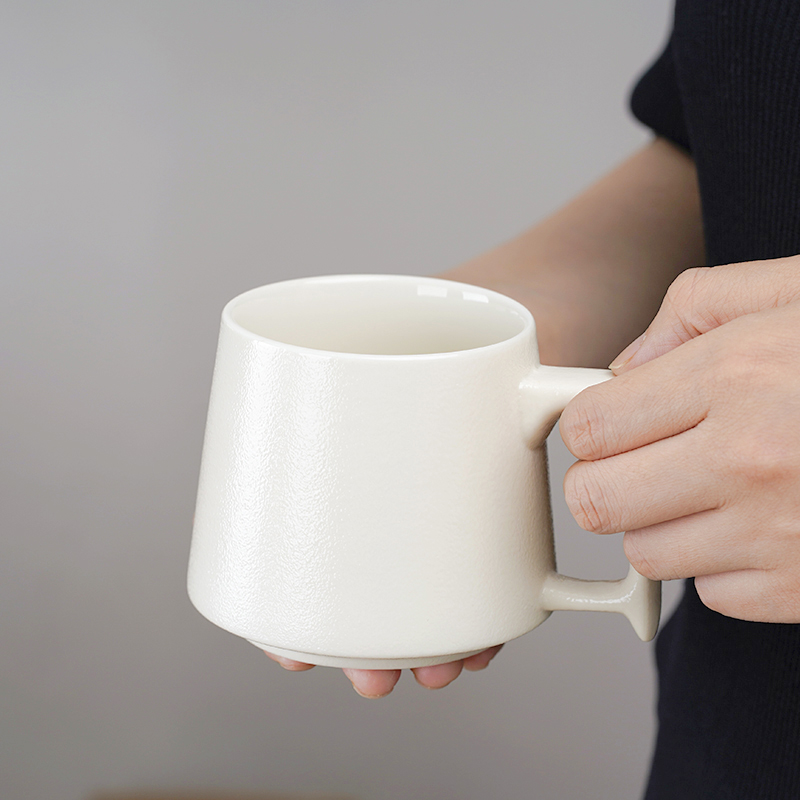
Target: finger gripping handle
[546,392]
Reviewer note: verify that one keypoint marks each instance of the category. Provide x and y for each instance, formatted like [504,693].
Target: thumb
[705,298]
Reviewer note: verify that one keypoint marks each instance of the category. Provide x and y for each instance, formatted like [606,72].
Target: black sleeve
[727,89]
[656,101]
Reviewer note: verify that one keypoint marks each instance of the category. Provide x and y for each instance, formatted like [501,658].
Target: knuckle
[588,501]
[737,364]
[638,557]
[582,428]
[685,290]
[761,458]
[688,298]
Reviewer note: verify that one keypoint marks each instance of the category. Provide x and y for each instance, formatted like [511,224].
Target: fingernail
[627,354]
[432,688]
[367,696]
[480,666]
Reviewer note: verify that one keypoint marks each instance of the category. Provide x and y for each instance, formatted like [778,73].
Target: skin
[593,276]
[694,448]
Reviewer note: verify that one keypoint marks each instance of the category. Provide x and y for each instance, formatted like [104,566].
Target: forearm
[594,273]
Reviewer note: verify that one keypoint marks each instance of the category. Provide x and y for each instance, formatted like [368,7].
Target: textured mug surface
[373,489]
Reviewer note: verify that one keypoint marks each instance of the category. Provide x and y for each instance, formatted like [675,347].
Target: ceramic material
[373,489]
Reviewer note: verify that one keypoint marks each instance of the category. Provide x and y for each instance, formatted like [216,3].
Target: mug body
[367,495]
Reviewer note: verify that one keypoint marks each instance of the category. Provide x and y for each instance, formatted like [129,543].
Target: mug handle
[546,392]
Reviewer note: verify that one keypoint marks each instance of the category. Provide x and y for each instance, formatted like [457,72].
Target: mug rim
[529,324]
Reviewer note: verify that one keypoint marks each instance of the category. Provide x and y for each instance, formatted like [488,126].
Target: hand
[694,448]
[374,683]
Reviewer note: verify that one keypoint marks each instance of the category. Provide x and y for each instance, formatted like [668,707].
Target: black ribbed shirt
[727,89]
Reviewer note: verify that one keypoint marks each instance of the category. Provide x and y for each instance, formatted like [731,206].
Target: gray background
[157,158]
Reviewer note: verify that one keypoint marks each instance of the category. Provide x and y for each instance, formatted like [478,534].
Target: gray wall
[157,158]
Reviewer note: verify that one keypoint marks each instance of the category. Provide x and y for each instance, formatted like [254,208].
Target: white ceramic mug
[373,490]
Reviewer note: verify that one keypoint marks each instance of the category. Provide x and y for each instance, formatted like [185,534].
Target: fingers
[755,595]
[671,478]
[481,660]
[369,683]
[434,677]
[288,664]
[702,299]
[656,401]
[373,683]
[708,543]
[438,676]
[379,683]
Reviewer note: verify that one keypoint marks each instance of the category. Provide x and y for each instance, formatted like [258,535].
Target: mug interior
[379,315]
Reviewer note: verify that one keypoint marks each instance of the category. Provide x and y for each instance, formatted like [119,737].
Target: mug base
[363,663]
